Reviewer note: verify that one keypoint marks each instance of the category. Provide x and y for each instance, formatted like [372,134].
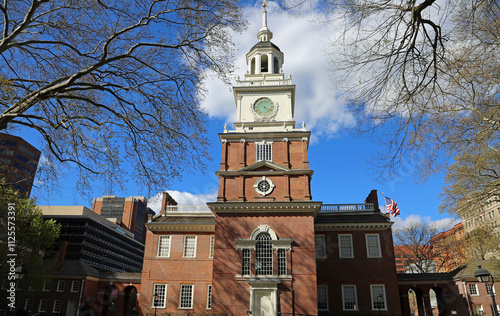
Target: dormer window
[265,151]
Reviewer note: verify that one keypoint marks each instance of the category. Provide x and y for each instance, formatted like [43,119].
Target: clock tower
[264,254]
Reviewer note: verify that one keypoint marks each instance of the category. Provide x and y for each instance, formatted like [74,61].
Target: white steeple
[264,34]
[265,100]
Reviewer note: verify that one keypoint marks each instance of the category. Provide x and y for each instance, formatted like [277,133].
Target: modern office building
[130,213]
[94,240]
[18,163]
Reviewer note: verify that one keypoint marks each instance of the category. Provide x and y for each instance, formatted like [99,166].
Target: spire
[264,34]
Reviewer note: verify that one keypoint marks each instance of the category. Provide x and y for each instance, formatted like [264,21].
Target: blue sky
[340,162]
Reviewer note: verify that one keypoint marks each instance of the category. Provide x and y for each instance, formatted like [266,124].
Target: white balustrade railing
[195,209]
[258,83]
[330,208]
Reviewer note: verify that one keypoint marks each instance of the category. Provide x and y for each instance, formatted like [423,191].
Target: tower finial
[264,34]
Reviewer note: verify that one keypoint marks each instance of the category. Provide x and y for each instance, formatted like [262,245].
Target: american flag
[392,206]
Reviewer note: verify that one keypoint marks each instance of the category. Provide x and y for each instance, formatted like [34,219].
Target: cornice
[261,88]
[264,172]
[265,207]
[352,226]
[163,227]
[259,136]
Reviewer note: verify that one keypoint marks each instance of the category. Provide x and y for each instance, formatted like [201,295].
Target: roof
[468,270]
[265,44]
[351,217]
[427,277]
[210,220]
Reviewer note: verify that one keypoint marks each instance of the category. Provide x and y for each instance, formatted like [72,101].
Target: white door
[263,303]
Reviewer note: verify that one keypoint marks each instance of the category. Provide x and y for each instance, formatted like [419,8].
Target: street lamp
[156,297]
[484,276]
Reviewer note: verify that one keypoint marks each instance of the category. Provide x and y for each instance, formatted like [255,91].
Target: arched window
[252,66]
[263,255]
[276,64]
[264,67]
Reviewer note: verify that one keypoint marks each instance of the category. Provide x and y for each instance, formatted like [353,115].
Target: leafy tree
[482,244]
[32,239]
[424,74]
[107,81]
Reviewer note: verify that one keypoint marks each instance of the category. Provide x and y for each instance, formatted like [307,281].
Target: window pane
[245,262]
[345,246]
[209,297]
[186,296]
[57,306]
[320,246]
[322,297]
[212,244]
[265,151]
[349,297]
[473,289]
[190,246]
[43,306]
[281,262]
[159,295]
[263,255]
[373,245]
[378,297]
[164,246]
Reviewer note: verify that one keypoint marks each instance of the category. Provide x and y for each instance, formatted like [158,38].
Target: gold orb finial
[264,4]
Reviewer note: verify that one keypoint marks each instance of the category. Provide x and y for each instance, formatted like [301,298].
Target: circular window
[264,186]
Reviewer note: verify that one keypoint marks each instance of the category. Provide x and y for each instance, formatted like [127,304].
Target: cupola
[264,57]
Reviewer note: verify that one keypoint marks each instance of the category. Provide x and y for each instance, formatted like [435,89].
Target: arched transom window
[263,255]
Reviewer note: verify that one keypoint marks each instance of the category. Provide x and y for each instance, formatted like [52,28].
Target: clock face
[263,107]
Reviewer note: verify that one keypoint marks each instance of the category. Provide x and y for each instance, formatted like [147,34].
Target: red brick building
[265,247]
[453,252]
[18,163]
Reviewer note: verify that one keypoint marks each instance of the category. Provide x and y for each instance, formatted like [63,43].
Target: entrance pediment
[264,166]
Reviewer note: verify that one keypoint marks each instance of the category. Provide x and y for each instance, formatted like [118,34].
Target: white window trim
[54,306]
[160,237]
[340,248]
[323,255]
[379,246]
[355,297]
[164,298]
[263,143]
[40,306]
[26,304]
[58,285]
[45,289]
[209,296]
[184,246]
[211,248]
[327,305]
[475,286]
[73,286]
[373,301]
[192,296]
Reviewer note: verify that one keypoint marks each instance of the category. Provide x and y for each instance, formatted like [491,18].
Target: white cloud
[441,224]
[304,46]
[182,198]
